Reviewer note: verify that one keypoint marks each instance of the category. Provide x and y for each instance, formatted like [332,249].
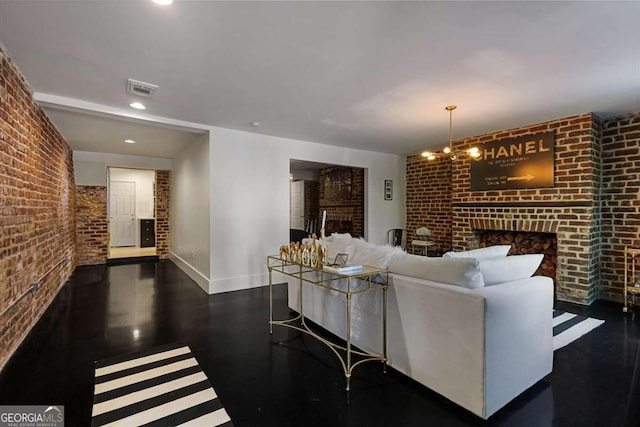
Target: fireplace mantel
[525,204]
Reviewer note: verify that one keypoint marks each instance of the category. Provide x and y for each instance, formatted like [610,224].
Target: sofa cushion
[463,272]
[482,253]
[507,269]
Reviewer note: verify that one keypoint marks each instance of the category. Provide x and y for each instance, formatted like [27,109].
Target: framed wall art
[388,189]
[337,184]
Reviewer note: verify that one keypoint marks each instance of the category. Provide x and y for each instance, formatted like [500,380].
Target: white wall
[250,199]
[144,180]
[90,173]
[306,175]
[123,160]
[144,197]
[190,237]
[91,168]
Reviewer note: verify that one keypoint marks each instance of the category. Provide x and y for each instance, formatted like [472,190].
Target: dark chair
[311,226]
[397,237]
[297,235]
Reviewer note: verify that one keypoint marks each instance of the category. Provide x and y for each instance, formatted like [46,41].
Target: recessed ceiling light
[129,141]
[163,2]
[138,106]
[255,124]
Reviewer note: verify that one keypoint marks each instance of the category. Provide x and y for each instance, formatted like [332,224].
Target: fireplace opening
[525,242]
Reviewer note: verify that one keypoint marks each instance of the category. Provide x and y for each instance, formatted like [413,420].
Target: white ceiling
[106,134]
[371,75]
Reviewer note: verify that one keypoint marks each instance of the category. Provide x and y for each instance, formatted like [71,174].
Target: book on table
[344,269]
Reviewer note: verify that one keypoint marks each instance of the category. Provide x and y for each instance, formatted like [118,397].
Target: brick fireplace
[576,266]
[571,209]
[525,242]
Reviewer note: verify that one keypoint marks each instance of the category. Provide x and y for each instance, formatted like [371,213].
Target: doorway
[131,210]
[316,188]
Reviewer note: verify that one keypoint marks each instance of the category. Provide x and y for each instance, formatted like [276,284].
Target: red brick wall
[429,200]
[576,155]
[92,225]
[350,209]
[163,186]
[621,198]
[571,208]
[37,206]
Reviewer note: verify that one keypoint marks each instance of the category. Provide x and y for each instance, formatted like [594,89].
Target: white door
[122,197]
[297,205]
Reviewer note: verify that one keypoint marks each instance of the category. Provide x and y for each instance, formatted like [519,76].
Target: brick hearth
[525,242]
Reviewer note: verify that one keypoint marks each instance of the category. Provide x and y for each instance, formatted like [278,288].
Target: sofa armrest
[518,337]
[478,347]
[436,337]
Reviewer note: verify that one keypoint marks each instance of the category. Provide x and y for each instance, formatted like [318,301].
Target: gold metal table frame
[356,283]
[631,290]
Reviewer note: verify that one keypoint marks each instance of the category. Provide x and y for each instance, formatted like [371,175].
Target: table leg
[300,296]
[348,373]
[626,275]
[384,327]
[270,302]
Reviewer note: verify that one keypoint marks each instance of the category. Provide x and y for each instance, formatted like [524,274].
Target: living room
[223,197]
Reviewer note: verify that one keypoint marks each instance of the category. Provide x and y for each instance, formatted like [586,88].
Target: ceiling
[369,75]
[106,134]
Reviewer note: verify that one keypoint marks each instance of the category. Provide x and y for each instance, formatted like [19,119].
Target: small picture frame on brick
[388,189]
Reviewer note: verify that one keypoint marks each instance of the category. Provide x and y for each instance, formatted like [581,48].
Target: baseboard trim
[191,271]
[224,284]
[238,283]
[132,260]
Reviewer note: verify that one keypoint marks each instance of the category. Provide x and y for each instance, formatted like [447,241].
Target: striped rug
[163,386]
[568,327]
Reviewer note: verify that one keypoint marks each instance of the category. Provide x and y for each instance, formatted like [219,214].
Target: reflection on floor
[131,251]
[288,379]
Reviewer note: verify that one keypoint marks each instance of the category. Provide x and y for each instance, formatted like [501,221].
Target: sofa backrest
[463,272]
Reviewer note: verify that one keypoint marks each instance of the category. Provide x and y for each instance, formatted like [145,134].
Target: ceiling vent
[137,88]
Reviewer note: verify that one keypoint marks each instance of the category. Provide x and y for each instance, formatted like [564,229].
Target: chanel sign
[522,162]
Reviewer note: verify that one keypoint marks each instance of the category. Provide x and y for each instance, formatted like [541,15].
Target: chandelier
[448,150]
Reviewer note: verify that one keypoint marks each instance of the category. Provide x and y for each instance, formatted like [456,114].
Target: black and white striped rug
[568,327]
[163,386]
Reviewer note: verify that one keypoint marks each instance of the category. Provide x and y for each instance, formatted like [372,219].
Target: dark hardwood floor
[288,379]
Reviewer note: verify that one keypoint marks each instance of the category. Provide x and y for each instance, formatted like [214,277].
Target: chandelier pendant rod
[450,109]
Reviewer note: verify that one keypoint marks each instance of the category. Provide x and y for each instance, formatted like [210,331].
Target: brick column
[92,224]
[163,186]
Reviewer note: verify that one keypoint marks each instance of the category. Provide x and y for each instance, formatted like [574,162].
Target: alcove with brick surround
[344,215]
[92,220]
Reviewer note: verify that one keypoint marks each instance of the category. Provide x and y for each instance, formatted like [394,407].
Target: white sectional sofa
[478,344]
